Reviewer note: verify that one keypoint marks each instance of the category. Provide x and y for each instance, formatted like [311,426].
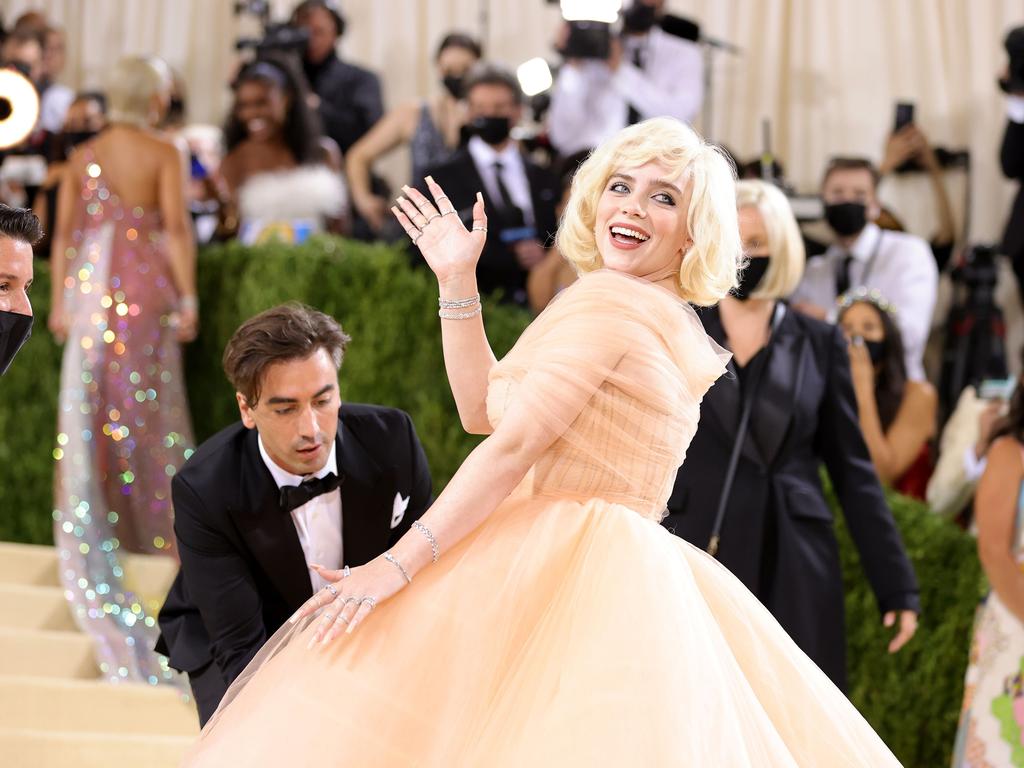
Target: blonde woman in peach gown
[547,618]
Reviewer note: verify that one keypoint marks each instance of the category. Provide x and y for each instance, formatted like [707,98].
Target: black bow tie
[294,496]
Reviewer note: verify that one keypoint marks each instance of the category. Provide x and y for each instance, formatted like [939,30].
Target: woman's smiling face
[641,226]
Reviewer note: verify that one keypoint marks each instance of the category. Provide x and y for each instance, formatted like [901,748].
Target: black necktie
[843,275]
[638,60]
[508,212]
[294,496]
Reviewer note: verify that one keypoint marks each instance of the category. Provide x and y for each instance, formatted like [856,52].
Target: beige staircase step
[35,703]
[34,607]
[46,653]
[30,564]
[49,749]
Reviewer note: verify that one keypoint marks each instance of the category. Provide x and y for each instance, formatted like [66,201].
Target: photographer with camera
[1011,155]
[643,73]
[348,97]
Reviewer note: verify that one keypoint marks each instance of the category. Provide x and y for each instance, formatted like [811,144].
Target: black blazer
[1011,157]
[243,572]
[350,100]
[498,268]
[778,535]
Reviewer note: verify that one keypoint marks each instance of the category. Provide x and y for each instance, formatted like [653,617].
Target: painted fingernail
[430,179]
[351,626]
[294,618]
[312,641]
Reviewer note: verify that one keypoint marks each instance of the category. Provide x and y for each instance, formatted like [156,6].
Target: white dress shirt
[513,174]
[318,521]
[589,102]
[903,271]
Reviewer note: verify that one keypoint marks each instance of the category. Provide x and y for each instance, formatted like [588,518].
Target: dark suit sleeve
[421,485]
[219,582]
[1011,154]
[841,444]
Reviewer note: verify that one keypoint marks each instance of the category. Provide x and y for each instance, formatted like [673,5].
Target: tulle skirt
[560,633]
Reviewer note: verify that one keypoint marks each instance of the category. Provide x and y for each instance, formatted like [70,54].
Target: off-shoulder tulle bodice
[615,368]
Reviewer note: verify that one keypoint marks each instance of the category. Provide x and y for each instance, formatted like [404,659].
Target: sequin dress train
[123,426]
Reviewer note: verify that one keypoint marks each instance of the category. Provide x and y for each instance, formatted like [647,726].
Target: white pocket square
[398,510]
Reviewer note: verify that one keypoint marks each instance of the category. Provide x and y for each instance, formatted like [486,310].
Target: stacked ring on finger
[370,600]
[330,588]
[432,217]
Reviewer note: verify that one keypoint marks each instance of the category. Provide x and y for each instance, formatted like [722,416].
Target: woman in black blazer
[777,532]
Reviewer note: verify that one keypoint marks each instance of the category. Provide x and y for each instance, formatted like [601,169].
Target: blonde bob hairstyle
[133,83]
[785,244]
[709,267]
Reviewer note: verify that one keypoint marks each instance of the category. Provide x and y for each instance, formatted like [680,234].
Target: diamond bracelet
[434,549]
[448,314]
[458,303]
[394,561]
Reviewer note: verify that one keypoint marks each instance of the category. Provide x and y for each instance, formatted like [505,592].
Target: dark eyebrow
[655,183]
[8,276]
[291,400]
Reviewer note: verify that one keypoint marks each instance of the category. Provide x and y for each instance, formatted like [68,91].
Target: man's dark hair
[851,164]
[331,7]
[291,331]
[302,129]
[459,40]
[98,97]
[488,74]
[20,224]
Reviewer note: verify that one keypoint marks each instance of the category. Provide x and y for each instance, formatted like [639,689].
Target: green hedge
[395,359]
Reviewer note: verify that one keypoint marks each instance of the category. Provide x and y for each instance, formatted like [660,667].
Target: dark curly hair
[892,375]
[302,129]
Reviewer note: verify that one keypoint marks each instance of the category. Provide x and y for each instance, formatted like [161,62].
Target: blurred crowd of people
[298,154]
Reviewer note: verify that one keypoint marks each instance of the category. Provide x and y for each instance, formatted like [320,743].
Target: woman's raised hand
[450,249]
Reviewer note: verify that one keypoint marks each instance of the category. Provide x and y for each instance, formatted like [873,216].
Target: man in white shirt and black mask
[268,508]
[519,196]
[648,73]
[898,265]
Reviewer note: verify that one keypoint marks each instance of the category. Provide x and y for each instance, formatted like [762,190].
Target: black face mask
[453,84]
[846,219]
[493,130]
[752,277]
[14,331]
[639,17]
[876,350]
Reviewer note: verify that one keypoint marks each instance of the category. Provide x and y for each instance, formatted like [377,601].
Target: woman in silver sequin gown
[123,300]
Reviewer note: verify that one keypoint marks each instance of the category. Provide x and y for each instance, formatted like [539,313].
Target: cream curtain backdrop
[826,73]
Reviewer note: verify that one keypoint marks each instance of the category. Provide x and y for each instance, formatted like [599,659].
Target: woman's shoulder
[922,393]
[1006,451]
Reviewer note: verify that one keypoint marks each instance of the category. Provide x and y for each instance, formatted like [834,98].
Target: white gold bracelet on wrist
[434,549]
[448,314]
[394,561]
[458,303]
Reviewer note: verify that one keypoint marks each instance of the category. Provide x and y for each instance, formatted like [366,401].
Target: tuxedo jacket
[778,533]
[243,572]
[350,100]
[497,268]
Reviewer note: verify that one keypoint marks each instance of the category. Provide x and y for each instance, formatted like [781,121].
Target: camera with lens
[278,37]
[978,274]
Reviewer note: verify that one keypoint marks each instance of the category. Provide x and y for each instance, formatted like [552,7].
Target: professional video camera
[975,345]
[277,36]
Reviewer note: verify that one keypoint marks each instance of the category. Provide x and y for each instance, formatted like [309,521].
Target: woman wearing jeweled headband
[124,299]
[537,614]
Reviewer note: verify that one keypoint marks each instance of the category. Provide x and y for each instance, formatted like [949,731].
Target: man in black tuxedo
[519,195]
[301,480]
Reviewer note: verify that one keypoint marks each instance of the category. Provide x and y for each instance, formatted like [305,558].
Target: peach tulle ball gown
[570,628]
